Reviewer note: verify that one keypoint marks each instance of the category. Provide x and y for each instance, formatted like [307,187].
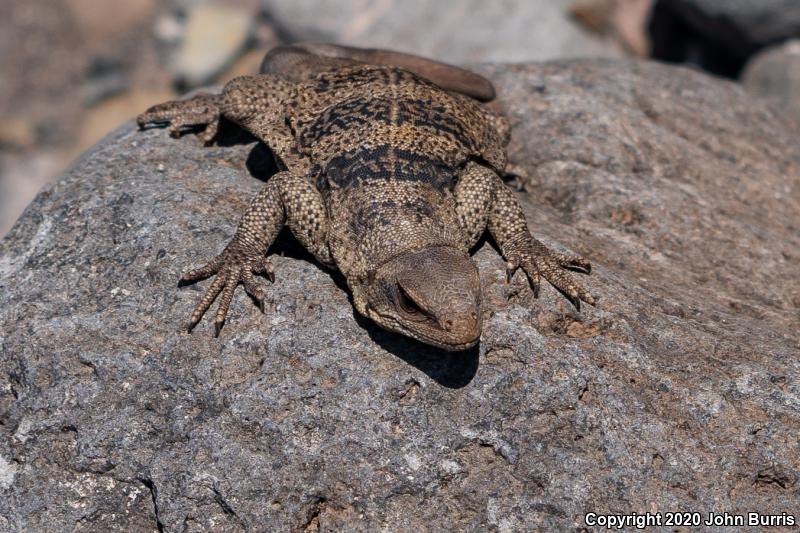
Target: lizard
[390,170]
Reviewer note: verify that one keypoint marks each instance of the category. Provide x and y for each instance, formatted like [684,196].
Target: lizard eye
[409,307]
[406,303]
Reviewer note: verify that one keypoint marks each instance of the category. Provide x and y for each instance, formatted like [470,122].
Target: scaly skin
[388,177]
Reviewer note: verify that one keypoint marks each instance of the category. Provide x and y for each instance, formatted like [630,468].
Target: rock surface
[679,391]
[450,30]
[62,64]
[775,74]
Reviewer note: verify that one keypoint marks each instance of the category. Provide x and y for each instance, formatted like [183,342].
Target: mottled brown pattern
[389,178]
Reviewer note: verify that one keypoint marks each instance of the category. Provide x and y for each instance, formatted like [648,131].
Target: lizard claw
[511,268]
[573,262]
[230,268]
[575,301]
[534,279]
[266,268]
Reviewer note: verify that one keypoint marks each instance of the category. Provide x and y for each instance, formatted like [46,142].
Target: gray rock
[450,30]
[680,391]
[775,74]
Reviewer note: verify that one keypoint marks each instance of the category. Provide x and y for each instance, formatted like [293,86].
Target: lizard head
[432,295]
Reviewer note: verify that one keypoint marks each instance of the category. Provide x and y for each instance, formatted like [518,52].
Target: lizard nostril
[448,324]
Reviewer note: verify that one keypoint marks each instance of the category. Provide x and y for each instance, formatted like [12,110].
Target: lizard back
[368,123]
[386,147]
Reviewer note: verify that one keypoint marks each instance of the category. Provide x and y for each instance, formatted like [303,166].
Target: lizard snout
[460,323]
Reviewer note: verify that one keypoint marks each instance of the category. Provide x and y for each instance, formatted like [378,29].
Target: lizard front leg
[286,198]
[482,199]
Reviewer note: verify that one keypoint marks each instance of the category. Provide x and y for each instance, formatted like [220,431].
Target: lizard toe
[563,281]
[253,289]
[541,262]
[264,266]
[531,272]
[201,273]
[232,279]
[201,110]
[209,297]
[573,262]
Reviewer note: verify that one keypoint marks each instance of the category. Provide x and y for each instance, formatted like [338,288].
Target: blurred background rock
[73,70]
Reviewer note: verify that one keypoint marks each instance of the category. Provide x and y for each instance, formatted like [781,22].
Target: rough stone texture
[775,74]
[450,30]
[679,392]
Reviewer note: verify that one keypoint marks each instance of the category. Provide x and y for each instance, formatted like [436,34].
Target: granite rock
[679,391]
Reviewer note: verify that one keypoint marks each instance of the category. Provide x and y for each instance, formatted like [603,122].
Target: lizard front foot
[538,261]
[200,110]
[235,265]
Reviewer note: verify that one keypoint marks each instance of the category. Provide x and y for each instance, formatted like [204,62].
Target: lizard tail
[298,62]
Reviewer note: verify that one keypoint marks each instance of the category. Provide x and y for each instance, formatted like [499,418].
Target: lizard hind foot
[200,110]
[230,268]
